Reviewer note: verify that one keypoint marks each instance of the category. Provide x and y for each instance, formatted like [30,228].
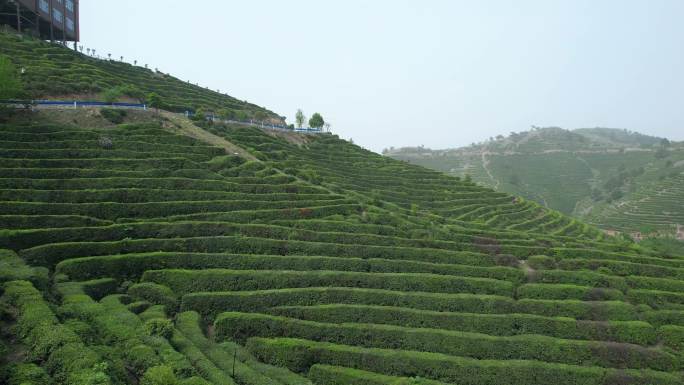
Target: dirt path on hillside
[485,165]
[185,126]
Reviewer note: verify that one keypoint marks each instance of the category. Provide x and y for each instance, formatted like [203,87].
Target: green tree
[226,113]
[200,115]
[10,83]
[112,95]
[300,118]
[316,121]
[241,115]
[260,116]
[154,101]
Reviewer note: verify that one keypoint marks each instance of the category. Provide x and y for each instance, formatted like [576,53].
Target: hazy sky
[437,73]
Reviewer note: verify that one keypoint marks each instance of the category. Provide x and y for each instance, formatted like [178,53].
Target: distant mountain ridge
[617,179]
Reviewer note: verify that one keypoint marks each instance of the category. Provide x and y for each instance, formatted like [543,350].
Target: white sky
[405,73]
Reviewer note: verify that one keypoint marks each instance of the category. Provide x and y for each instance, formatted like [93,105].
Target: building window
[57,15]
[44,6]
[70,24]
[70,5]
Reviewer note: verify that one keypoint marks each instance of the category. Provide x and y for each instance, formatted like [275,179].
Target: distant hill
[617,179]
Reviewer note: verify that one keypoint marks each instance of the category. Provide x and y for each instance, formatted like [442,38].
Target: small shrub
[113,115]
[159,327]
[159,375]
[105,142]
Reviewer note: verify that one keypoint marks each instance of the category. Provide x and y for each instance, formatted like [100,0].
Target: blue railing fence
[212,117]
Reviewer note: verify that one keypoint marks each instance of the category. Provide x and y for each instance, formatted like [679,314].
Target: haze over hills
[616,179]
[142,247]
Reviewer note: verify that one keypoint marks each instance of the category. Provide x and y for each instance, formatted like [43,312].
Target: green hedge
[581,278]
[240,326]
[204,366]
[114,210]
[150,194]
[657,299]
[650,283]
[581,310]
[560,291]
[156,294]
[672,336]
[664,317]
[337,375]
[15,222]
[622,268]
[51,254]
[92,155]
[300,355]
[636,332]
[24,374]
[189,281]
[599,255]
[209,304]
[115,326]
[69,360]
[188,324]
[132,266]
[13,268]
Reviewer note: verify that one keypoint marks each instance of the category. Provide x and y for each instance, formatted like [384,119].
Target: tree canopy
[300,118]
[316,121]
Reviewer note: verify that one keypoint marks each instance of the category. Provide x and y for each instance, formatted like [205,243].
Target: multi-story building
[48,19]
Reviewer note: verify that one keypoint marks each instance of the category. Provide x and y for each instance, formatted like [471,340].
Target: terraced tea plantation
[52,71]
[656,207]
[134,253]
[615,179]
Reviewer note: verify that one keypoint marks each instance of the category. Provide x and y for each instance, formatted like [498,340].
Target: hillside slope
[134,251]
[593,174]
[53,71]
[159,251]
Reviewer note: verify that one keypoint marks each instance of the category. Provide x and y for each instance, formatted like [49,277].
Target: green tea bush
[300,355]
[635,332]
[204,366]
[558,291]
[67,358]
[581,310]
[188,324]
[240,326]
[25,373]
[188,281]
[161,327]
[159,375]
[672,336]
[655,298]
[156,294]
[210,304]
[336,375]
[132,266]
